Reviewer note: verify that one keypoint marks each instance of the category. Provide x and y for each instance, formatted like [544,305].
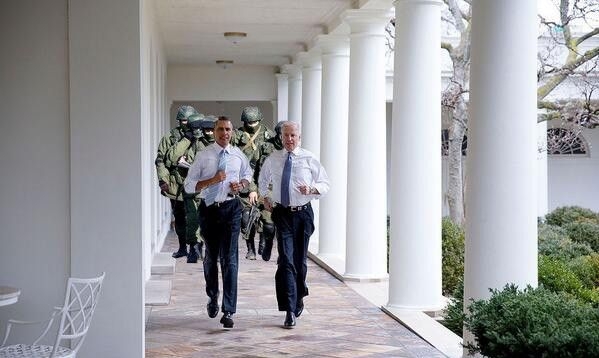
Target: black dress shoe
[227,321]
[212,308]
[289,320]
[299,308]
[180,253]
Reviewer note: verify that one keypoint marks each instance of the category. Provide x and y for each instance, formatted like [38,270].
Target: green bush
[569,214]
[453,315]
[556,276]
[453,255]
[586,268]
[533,323]
[555,242]
[584,232]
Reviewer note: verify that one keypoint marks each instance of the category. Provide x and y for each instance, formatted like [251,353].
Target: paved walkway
[336,322]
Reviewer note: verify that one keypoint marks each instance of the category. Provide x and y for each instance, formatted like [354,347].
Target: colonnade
[336,90]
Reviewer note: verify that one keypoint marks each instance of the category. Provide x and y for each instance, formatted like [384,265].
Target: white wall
[211,83]
[573,179]
[34,142]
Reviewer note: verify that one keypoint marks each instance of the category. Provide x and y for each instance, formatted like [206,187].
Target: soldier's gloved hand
[163,185]
[189,135]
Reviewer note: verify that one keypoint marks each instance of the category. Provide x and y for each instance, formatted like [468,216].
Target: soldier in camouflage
[207,127]
[250,138]
[166,180]
[181,155]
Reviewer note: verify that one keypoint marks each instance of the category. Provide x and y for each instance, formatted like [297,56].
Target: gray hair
[291,124]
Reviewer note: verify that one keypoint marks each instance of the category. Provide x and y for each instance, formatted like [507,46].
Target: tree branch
[456,12]
[586,36]
[565,71]
[447,47]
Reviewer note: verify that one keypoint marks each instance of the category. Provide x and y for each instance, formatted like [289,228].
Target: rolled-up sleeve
[319,175]
[193,176]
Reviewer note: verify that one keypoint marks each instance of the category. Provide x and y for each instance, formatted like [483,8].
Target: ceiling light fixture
[224,64]
[235,37]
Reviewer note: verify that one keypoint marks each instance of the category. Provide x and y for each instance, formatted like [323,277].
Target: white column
[295,93]
[282,96]
[311,83]
[333,146]
[106,103]
[542,179]
[415,160]
[501,202]
[366,183]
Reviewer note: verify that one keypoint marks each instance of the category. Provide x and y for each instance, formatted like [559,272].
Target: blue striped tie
[213,190]
[285,179]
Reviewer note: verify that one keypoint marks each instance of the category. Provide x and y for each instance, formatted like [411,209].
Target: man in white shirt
[218,173]
[296,177]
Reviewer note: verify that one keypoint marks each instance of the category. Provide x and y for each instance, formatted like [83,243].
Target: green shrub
[533,323]
[556,276]
[569,214]
[453,255]
[584,232]
[453,315]
[555,242]
[586,268]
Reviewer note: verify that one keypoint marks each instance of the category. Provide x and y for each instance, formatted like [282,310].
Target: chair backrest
[80,303]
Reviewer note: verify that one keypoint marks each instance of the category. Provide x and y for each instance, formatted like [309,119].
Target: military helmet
[195,117]
[251,114]
[184,112]
[207,124]
[278,128]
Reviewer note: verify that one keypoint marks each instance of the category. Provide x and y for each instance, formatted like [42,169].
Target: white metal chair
[75,317]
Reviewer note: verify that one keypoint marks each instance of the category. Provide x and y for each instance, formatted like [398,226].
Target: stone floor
[337,322]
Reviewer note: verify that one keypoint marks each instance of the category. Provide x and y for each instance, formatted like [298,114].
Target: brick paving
[336,322]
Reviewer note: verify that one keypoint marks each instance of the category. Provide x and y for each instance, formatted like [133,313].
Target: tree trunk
[455,183]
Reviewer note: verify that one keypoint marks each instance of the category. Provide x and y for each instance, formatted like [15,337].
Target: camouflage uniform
[181,155]
[166,179]
[250,139]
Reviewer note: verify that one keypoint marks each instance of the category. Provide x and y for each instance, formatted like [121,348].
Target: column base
[365,278]
[428,309]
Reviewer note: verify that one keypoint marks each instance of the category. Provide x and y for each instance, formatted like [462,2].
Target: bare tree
[560,58]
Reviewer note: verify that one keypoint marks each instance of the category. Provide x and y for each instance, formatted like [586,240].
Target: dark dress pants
[220,225]
[294,229]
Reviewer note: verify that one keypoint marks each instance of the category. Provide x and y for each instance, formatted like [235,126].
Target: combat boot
[261,244]
[267,248]
[251,255]
[195,253]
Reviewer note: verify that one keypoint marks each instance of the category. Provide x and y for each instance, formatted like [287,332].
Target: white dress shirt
[205,166]
[305,170]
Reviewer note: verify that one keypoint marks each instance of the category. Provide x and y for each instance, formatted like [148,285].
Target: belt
[293,208]
[217,204]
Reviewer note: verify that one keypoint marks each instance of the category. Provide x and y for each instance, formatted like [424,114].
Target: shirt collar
[295,151]
[219,148]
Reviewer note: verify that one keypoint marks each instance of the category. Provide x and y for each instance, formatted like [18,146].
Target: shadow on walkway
[336,322]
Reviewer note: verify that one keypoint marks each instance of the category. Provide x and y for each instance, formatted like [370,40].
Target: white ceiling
[192,30]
